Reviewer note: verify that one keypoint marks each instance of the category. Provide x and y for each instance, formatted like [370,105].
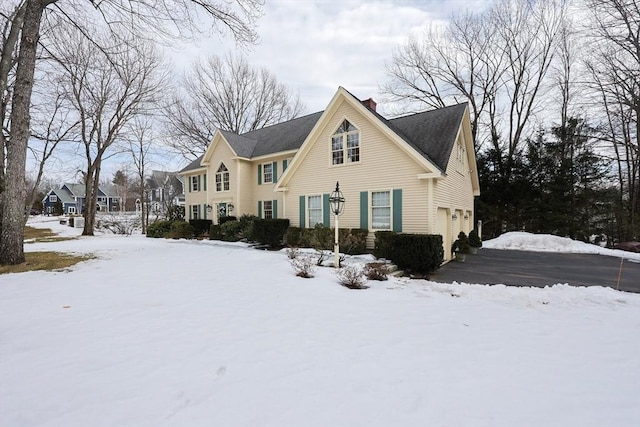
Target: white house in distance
[413,174]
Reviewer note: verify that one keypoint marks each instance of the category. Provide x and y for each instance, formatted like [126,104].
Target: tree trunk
[14,194]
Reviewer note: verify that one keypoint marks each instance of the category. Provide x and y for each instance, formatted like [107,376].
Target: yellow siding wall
[455,193]
[383,166]
[195,197]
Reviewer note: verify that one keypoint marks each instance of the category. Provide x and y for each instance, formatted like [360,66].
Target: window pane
[315,210]
[267,173]
[381,210]
[267,209]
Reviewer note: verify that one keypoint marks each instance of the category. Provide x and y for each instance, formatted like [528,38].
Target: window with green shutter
[259,208]
[275,209]
[364,210]
[259,174]
[275,172]
[397,210]
[326,210]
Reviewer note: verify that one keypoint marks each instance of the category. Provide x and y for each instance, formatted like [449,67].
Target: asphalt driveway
[522,268]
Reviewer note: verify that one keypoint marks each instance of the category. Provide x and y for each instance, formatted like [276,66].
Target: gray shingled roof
[431,133]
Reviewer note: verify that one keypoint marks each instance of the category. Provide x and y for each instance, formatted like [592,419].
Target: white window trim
[345,148]
[194,183]
[53,198]
[194,212]
[370,208]
[308,213]
[221,175]
[264,209]
[264,181]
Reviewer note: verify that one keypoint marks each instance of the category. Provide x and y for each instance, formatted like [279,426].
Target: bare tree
[615,77]
[106,89]
[21,32]
[225,93]
[497,61]
[139,144]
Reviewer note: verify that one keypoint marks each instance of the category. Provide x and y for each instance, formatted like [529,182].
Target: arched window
[345,144]
[222,178]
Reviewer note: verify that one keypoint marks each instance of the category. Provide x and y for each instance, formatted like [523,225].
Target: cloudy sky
[314,46]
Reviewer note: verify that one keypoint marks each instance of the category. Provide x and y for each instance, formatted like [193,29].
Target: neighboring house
[72,198]
[163,190]
[414,174]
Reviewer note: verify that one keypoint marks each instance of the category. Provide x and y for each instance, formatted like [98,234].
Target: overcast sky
[315,46]
[311,46]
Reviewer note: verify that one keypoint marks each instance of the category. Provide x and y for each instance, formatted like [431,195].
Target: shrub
[382,245]
[376,271]
[181,230]
[200,226]
[322,238]
[215,232]
[292,253]
[246,224]
[352,277]
[474,239]
[353,241]
[461,244]
[304,266]
[293,236]
[269,231]
[159,229]
[420,253]
[231,231]
[224,219]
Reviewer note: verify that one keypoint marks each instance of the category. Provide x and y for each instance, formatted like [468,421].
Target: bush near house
[353,241]
[418,253]
[269,231]
[181,230]
[159,229]
[201,226]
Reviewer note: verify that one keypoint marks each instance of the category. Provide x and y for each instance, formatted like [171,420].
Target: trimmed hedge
[352,241]
[200,226]
[231,231]
[269,231]
[224,219]
[181,230]
[215,232]
[159,229]
[420,253]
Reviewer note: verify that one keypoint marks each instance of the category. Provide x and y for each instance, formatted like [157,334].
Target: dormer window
[222,178]
[345,144]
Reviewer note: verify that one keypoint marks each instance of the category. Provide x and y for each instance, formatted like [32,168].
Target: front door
[222,210]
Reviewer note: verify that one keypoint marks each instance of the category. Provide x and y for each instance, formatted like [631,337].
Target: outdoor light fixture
[336,202]
[454,217]
[209,208]
[466,216]
[230,207]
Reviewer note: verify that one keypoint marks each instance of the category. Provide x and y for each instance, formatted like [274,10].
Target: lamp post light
[336,201]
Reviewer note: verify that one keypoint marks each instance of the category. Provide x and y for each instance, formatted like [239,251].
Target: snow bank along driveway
[176,333]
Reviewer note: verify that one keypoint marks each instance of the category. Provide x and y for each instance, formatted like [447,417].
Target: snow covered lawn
[187,333]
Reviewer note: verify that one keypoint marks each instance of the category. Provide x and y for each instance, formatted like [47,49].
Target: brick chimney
[370,103]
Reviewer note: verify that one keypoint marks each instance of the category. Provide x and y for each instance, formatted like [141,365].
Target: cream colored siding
[455,192]
[383,166]
[265,191]
[195,197]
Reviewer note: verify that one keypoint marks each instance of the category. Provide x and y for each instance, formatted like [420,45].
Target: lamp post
[336,200]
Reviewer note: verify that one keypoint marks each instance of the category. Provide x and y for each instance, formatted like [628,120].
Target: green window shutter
[205,182]
[364,210]
[275,172]
[285,165]
[326,211]
[303,212]
[204,210]
[275,209]
[189,178]
[397,210]
[199,184]
[259,208]
[199,212]
[259,174]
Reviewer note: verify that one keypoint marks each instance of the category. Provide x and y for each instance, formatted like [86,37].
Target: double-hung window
[194,183]
[53,198]
[222,178]
[267,173]
[315,210]
[267,209]
[194,212]
[345,144]
[381,210]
